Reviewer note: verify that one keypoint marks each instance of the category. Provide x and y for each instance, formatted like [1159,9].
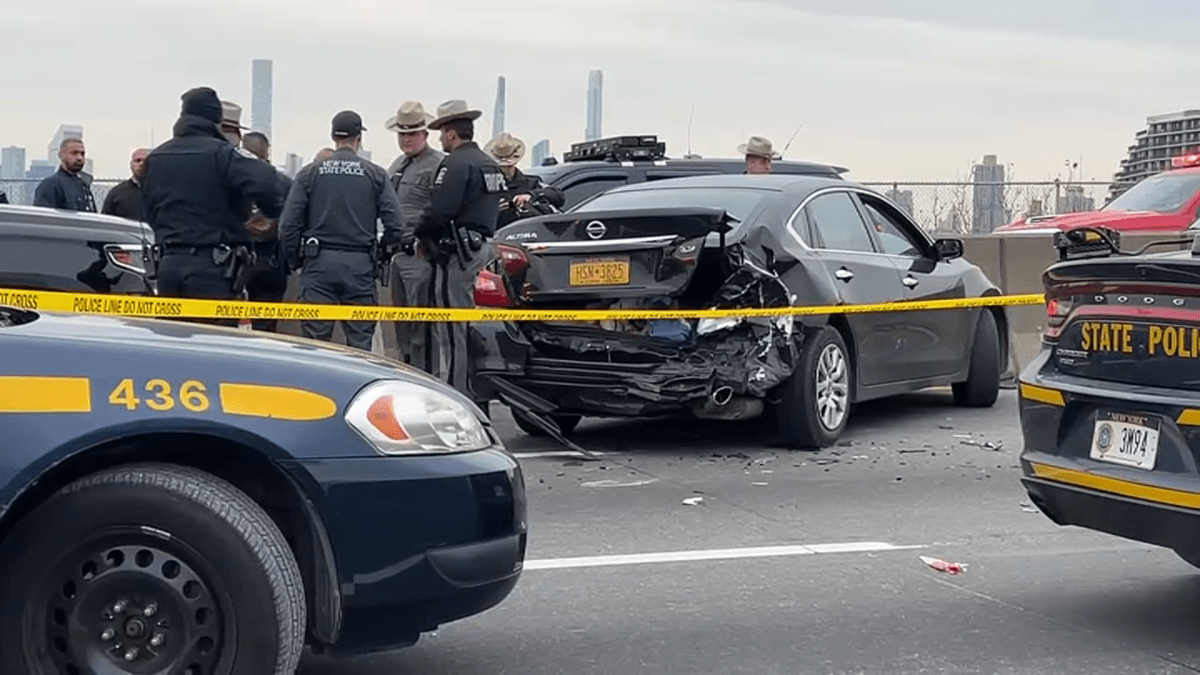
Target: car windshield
[735,202]
[1164,193]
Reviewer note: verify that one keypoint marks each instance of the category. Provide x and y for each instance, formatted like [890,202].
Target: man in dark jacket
[196,194]
[526,195]
[328,229]
[125,199]
[269,281]
[70,187]
[458,226]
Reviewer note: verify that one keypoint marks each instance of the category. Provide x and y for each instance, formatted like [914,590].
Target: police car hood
[181,349]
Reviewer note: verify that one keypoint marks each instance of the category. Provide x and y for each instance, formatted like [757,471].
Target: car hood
[225,353]
[1116,220]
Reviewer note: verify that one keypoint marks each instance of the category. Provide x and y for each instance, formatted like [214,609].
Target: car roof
[792,183]
[678,162]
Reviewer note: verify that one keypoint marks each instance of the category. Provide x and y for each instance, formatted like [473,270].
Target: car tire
[982,387]
[814,405]
[143,568]
[566,423]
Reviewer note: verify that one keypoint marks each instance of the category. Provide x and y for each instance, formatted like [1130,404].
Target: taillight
[689,251]
[1057,310]
[513,258]
[490,290]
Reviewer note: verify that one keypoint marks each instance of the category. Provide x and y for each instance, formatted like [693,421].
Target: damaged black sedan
[729,242]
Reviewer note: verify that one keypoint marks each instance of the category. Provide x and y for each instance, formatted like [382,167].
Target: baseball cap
[347,123]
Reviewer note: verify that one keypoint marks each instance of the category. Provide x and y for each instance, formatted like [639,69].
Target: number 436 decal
[192,395]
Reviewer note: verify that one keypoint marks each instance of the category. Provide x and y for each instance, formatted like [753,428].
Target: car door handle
[911,282]
[844,274]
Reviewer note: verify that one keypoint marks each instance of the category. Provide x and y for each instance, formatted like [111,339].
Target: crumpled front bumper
[586,370]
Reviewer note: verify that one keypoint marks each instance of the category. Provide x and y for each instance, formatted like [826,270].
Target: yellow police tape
[188,308]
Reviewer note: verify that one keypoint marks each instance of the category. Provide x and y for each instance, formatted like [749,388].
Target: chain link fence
[959,208]
[979,208]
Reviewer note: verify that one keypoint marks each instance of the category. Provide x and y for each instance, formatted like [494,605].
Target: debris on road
[1028,507]
[943,566]
[693,501]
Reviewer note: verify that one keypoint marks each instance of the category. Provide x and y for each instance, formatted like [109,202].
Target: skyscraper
[260,97]
[12,162]
[1165,136]
[498,114]
[595,99]
[541,150]
[988,210]
[65,131]
[292,164]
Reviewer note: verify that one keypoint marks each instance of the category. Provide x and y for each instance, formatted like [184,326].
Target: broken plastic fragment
[693,501]
[706,326]
[943,566]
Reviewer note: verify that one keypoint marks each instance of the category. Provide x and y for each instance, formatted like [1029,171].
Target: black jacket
[523,184]
[196,187]
[338,201]
[62,190]
[466,192]
[124,201]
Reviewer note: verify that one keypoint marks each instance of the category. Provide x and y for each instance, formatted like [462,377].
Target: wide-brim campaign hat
[453,110]
[506,149]
[410,117]
[757,146]
[231,115]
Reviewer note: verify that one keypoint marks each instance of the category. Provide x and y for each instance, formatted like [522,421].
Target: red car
[1169,201]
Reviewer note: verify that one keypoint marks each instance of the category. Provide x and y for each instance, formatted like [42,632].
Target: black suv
[593,167]
[52,250]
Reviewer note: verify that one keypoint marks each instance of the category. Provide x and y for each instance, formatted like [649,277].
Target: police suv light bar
[1184,161]
[617,148]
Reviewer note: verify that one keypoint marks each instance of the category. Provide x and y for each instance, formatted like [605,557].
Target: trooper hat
[231,115]
[506,149]
[758,147]
[347,123]
[410,117]
[453,110]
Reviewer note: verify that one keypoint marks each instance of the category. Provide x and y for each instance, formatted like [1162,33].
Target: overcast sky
[912,90]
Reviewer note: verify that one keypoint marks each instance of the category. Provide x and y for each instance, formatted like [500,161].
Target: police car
[175,498]
[1110,408]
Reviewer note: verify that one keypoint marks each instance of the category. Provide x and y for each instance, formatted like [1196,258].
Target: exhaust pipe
[722,395]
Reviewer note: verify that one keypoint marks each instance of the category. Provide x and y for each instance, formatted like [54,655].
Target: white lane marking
[712,554]
[556,453]
[617,483]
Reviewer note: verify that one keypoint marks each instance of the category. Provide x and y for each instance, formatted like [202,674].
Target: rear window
[737,203]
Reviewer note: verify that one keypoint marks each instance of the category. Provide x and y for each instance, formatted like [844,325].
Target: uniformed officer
[412,173]
[457,227]
[196,193]
[758,153]
[526,195]
[328,229]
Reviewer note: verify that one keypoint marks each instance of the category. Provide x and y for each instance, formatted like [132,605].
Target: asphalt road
[846,592]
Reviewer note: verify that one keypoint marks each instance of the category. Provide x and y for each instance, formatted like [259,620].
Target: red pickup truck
[1169,201]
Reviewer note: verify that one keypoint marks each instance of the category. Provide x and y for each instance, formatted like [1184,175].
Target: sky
[897,91]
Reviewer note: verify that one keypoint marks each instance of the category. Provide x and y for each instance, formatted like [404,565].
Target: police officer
[268,283]
[758,153]
[328,229]
[412,174]
[196,192]
[526,195]
[457,228]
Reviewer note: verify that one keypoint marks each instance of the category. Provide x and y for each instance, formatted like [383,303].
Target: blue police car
[180,498]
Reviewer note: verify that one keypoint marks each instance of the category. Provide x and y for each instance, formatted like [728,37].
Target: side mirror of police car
[948,249]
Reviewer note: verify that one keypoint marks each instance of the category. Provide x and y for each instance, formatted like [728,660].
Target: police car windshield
[1164,193]
[735,202]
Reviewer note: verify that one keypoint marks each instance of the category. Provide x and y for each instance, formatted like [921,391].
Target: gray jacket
[413,180]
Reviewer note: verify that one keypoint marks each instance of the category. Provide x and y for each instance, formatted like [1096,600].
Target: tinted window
[1164,193]
[839,224]
[587,187]
[893,238]
[737,203]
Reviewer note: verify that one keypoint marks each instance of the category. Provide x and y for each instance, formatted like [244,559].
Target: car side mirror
[948,249]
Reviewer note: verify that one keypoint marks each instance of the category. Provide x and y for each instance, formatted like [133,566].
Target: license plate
[1130,440]
[606,272]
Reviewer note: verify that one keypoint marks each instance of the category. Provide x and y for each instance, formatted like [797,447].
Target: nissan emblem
[595,229]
